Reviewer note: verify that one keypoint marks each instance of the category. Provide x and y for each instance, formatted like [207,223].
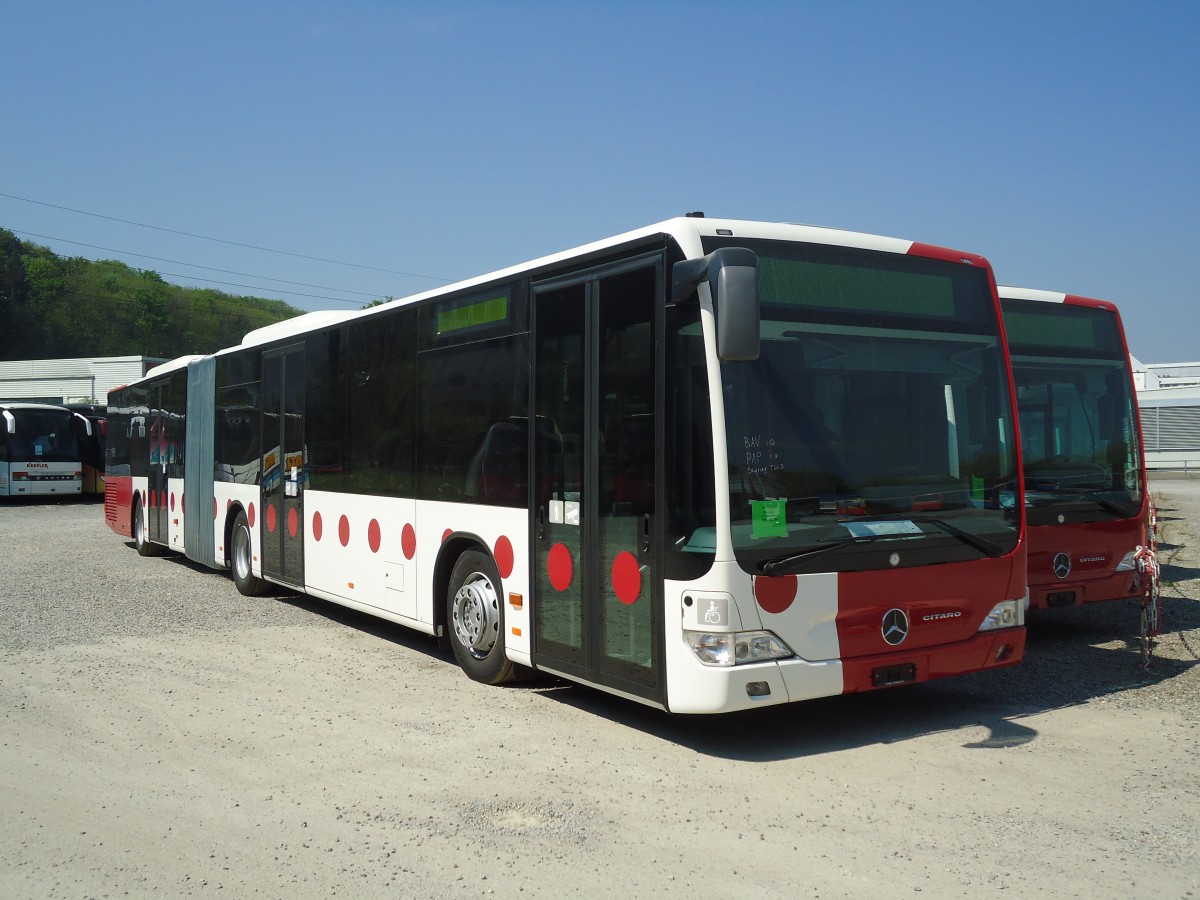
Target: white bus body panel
[693,687]
[42,479]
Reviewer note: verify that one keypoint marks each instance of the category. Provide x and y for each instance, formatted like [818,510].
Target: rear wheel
[141,537]
[475,619]
[241,559]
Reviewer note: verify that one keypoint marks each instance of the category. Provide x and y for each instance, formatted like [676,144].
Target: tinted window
[237,435]
[474,422]
[325,416]
[381,381]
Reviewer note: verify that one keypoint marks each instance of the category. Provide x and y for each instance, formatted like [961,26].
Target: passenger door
[284,462]
[597,600]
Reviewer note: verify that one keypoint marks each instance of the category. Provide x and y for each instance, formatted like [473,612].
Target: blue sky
[433,142]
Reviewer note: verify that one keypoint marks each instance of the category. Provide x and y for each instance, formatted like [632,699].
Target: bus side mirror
[10,422]
[732,276]
[87,423]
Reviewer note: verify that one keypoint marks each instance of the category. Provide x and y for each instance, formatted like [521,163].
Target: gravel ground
[162,735]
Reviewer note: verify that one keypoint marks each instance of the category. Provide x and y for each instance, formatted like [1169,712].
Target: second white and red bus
[1081,441]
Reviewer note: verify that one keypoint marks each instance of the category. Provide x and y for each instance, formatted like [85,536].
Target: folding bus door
[596,578]
[284,474]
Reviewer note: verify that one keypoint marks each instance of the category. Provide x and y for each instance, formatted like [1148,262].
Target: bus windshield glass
[43,435]
[875,429]
[1079,433]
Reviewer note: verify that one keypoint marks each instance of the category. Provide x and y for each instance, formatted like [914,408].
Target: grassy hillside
[53,306]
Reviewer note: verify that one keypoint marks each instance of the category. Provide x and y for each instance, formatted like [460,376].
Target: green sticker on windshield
[976,488]
[768,518]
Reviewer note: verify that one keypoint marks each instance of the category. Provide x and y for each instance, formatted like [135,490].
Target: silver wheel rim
[241,553]
[476,615]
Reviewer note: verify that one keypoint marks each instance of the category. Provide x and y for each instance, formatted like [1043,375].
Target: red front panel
[945,604]
[989,650]
[1076,563]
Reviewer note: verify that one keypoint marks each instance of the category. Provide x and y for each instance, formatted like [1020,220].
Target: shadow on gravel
[1073,656]
[1172,574]
[342,615]
[54,500]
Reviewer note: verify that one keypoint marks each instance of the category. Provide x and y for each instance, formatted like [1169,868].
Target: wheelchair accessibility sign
[714,611]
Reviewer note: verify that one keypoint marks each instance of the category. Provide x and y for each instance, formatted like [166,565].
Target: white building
[1169,404]
[85,380]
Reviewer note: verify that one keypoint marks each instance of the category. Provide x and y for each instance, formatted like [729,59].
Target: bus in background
[91,444]
[1081,442]
[39,451]
[706,465]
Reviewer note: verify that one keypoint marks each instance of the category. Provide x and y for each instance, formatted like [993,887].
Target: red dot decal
[318,526]
[408,541]
[344,530]
[214,507]
[374,536]
[293,521]
[152,499]
[626,577]
[183,502]
[775,594]
[446,535]
[560,567]
[271,517]
[172,501]
[503,552]
[251,514]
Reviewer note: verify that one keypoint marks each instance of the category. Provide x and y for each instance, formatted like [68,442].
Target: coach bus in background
[39,450]
[1081,443]
[90,430]
[706,465]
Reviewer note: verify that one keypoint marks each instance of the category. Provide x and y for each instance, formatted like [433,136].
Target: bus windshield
[43,435]
[1079,434]
[875,429]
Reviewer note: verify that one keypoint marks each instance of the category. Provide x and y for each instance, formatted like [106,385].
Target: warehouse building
[61,381]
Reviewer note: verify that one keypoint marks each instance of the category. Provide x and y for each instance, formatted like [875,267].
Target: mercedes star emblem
[895,626]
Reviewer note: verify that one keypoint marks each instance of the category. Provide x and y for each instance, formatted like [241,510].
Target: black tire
[475,619]
[141,537]
[241,559]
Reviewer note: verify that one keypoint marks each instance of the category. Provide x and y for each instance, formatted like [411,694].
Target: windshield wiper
[1087,493]
[771,566]
[982,544]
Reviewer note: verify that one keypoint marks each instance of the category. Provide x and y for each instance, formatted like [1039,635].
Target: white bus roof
[172,365]
[1009,292]
[33,406]
[688,232]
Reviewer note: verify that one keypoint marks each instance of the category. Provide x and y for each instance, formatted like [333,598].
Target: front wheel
[475,619]
[241,559]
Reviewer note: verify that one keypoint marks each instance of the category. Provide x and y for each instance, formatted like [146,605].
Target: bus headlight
[724,649]
[1003,615]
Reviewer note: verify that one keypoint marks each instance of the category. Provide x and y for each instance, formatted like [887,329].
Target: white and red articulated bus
[706,465]
[1081,445]
[39,450]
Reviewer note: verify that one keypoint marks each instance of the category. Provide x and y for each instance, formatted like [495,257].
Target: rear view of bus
[1082,446]
[39,451]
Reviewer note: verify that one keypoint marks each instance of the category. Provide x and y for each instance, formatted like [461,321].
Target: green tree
[52,306]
